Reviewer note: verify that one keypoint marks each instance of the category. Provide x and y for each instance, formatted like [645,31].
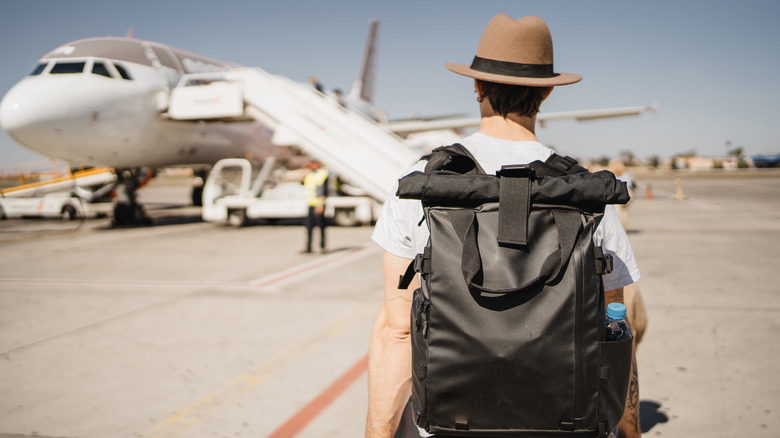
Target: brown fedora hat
[515,52]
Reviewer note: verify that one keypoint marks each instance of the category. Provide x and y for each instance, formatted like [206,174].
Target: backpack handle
[568,225]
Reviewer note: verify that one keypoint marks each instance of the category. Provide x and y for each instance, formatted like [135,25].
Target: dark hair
[506,99]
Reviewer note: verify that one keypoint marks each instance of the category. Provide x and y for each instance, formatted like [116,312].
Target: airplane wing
[408,127]
[412,126]
[586,115]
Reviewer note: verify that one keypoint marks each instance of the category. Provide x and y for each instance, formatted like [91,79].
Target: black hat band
[515,69]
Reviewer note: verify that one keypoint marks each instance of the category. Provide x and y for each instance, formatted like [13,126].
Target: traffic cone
[679,194]
[649,192]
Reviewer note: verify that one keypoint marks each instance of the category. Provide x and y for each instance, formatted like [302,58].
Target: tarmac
[193,329]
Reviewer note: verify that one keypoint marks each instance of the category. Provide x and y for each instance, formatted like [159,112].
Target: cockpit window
[67,68]
[38,69]
[123,72]
[99,68]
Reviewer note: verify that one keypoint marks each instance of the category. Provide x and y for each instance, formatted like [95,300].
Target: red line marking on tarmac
[308,413]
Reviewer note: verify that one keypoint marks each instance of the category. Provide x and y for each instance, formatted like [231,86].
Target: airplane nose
[39,116]
[18,115]
[79,118]
[9,110]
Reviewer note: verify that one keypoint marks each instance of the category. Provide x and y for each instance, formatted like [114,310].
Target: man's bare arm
[614,296]
[629,426]
[390,353]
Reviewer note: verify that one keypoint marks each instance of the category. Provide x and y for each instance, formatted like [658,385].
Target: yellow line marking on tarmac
[39,234]
[200,410]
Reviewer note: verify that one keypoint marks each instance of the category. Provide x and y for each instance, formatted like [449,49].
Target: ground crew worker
[316,184]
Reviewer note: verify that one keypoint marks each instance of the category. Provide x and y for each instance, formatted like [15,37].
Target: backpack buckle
[516,171]
[419,263]
[604,263]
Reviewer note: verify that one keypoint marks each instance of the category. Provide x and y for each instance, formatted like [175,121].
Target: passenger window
[67,68]
[100,69]
[38,69]
[123,72]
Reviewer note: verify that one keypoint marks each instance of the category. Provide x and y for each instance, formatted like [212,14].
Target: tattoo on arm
[632,401]
[399,297]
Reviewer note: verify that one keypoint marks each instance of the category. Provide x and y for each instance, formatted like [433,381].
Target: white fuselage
[102,101]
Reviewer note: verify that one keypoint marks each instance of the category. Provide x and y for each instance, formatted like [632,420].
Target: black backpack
[508,326]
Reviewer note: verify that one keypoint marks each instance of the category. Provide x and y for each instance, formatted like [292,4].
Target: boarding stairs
[359,149]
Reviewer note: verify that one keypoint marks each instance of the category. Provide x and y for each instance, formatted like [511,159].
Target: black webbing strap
[421,264]
[565,164]
[514,199]
[406,279]
[561,162]
[568,224]
[454,158]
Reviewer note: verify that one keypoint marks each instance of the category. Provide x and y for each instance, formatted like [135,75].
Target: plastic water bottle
[617,329]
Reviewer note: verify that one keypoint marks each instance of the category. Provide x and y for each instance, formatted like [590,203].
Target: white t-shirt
[401,231]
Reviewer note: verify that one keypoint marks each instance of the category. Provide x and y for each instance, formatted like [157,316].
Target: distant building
[694,163]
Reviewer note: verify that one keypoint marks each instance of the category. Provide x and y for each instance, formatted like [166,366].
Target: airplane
[135,105]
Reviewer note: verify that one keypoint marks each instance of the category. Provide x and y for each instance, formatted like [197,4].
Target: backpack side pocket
[615,374]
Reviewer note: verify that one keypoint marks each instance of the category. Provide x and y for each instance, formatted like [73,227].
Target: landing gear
[197,196]
[127,211]
[126,214]
[197,188]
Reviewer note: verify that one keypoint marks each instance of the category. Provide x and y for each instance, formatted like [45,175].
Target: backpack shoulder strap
[565,164]
[557,165]
[454,158]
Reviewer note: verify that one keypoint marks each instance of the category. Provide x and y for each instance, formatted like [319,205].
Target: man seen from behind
[513,72]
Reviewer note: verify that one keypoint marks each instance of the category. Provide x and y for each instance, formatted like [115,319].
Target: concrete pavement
[191,329]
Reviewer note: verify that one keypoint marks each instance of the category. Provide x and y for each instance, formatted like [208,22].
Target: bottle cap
[616,311]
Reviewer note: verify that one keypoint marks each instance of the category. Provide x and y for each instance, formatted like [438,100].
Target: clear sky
[712,65]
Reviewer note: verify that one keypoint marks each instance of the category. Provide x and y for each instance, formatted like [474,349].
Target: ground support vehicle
[81,194]
[53,205]
[237,191]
